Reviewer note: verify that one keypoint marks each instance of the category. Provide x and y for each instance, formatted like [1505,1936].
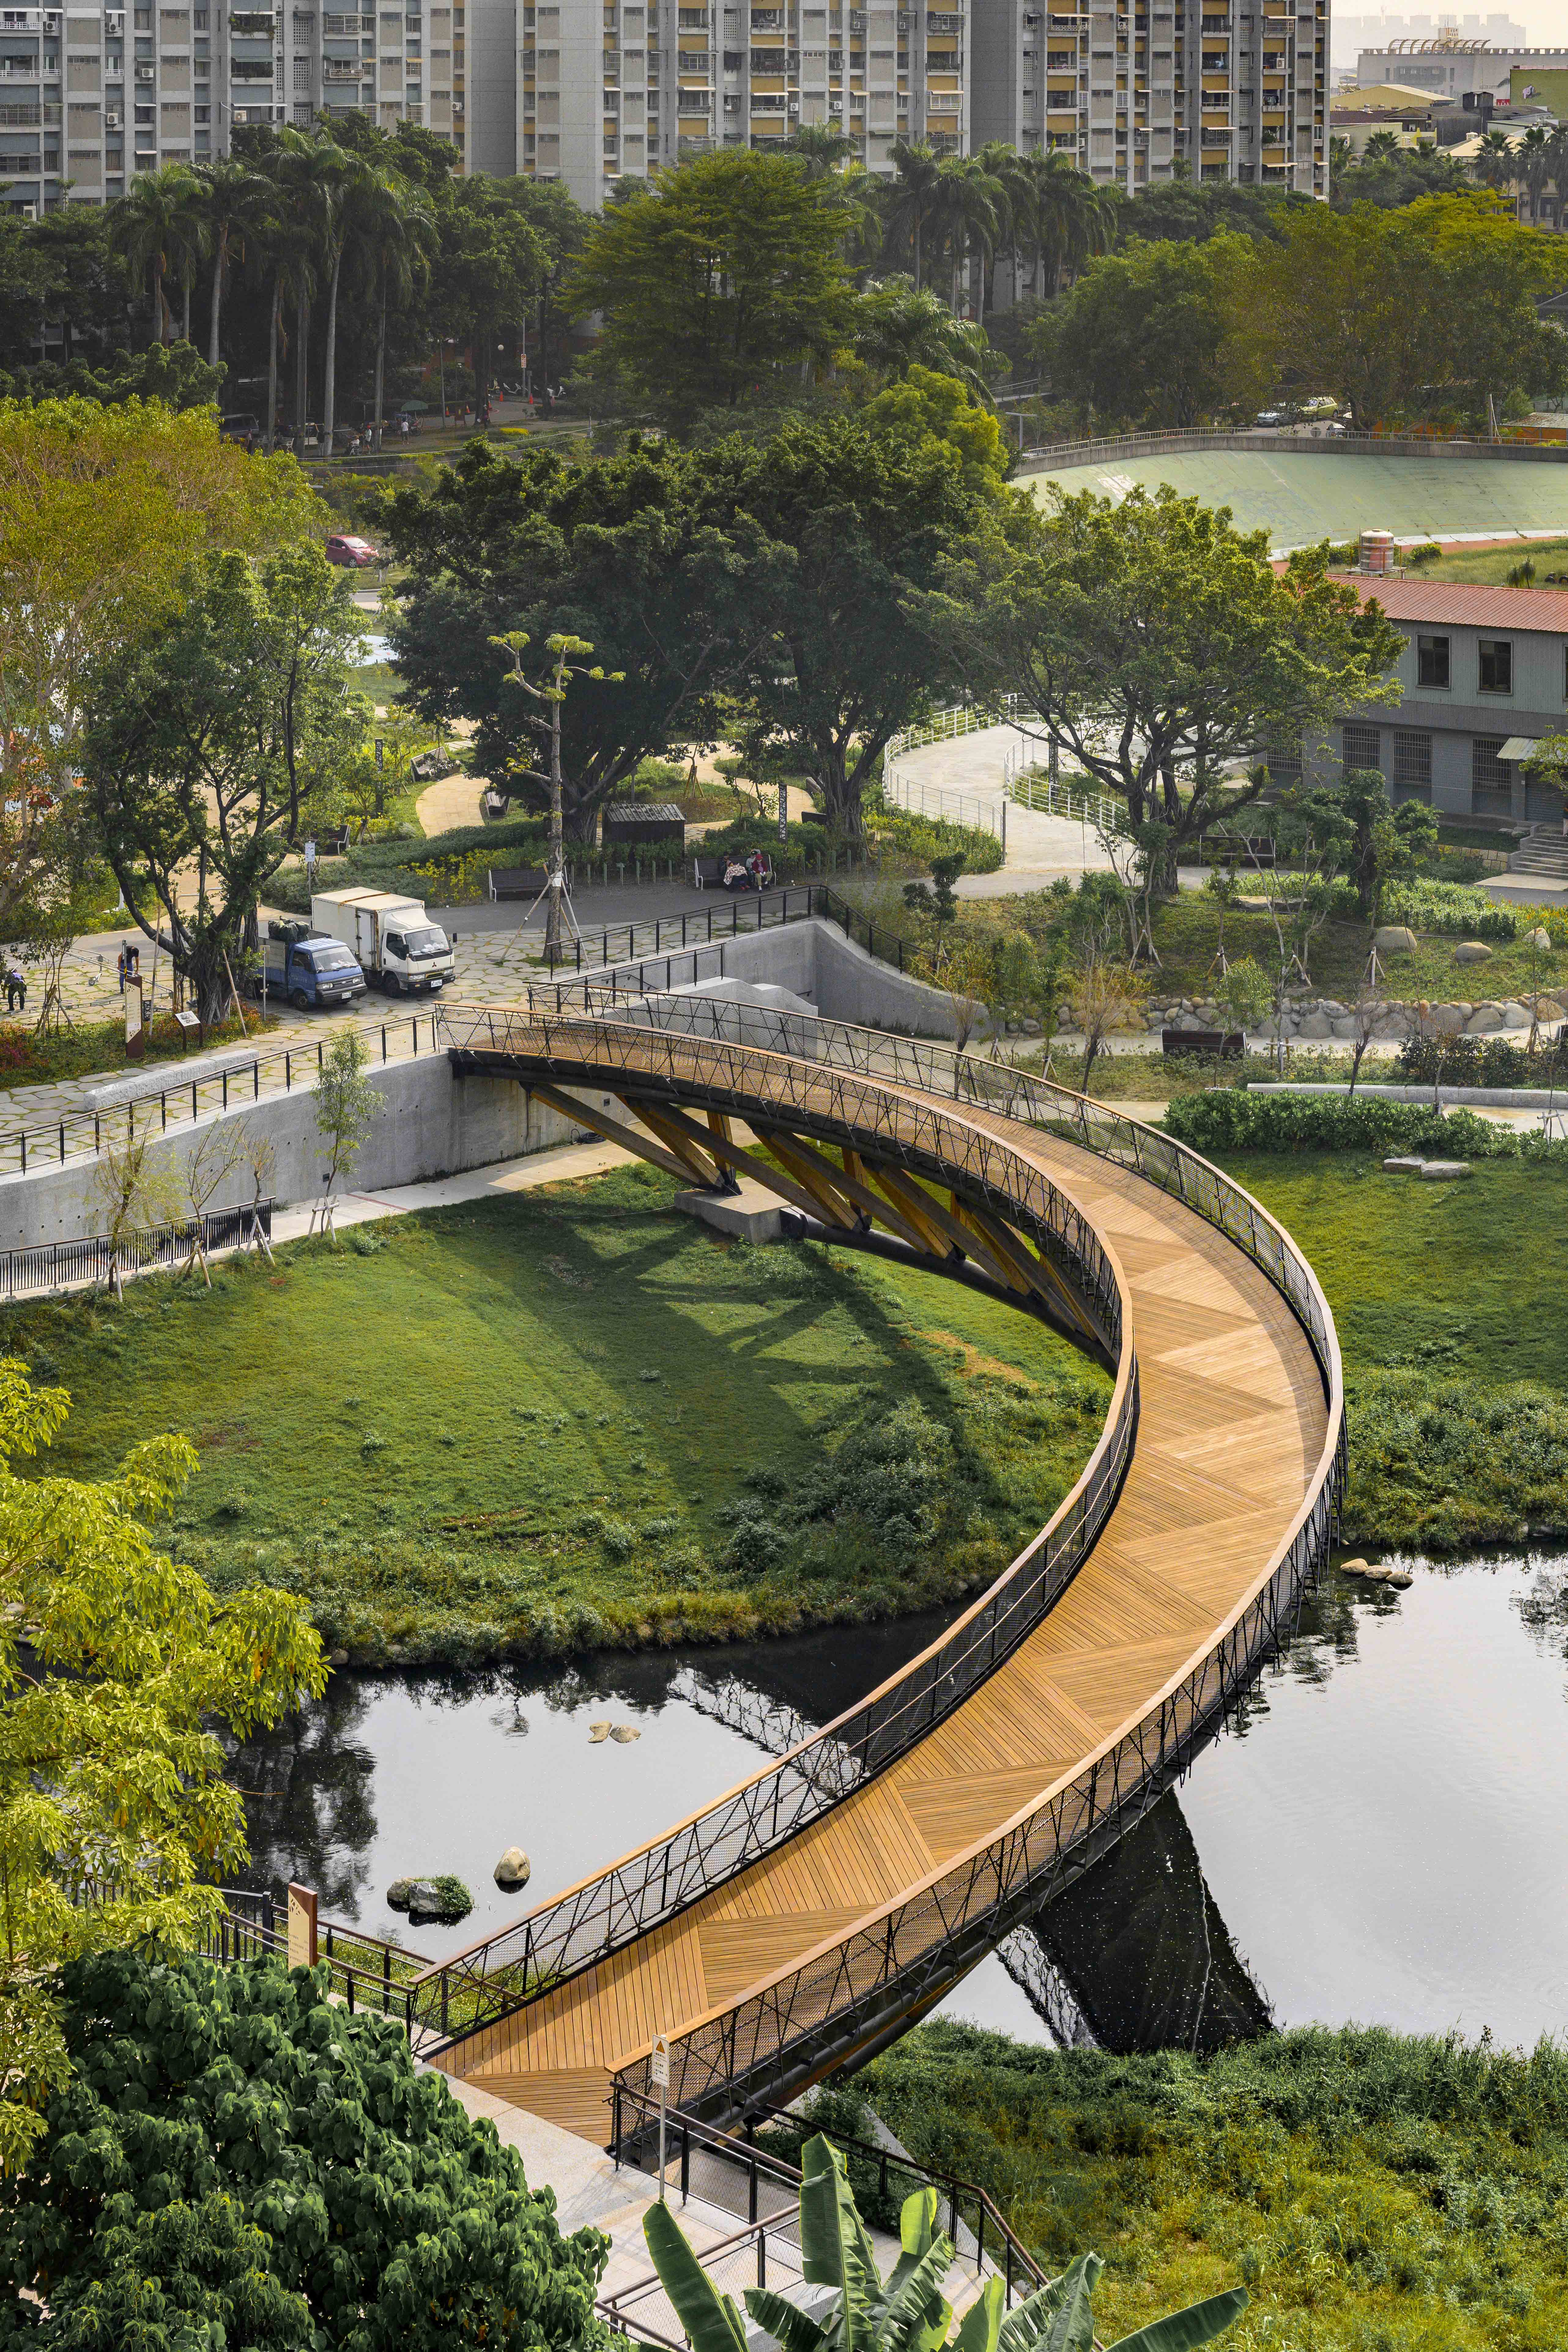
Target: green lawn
[577,1418]
[1186,933]
[1491,566]
[1449,1303]
[1373,2192]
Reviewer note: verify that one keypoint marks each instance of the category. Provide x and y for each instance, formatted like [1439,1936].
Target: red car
[357,553]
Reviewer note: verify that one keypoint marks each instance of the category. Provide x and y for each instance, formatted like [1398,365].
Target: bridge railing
[592,1920]
[902,1955]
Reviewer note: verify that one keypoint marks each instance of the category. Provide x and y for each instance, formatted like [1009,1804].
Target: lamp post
[445,340]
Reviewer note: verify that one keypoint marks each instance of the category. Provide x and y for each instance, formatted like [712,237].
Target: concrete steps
[1542,852]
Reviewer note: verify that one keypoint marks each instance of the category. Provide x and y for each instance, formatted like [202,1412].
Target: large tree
[724,274]
[858,521]
[1160,648]
[627,553]
[1141,338]
[112,1767]
[207,747]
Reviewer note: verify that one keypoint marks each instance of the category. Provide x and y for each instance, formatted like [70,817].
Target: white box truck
[398,948]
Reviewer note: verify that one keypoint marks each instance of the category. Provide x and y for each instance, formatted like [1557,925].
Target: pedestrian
[15,988]
[119,966]
[310,864]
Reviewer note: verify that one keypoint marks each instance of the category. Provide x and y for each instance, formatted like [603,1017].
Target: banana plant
[907,2311]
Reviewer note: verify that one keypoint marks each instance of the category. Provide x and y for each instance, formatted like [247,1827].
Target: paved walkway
[1039,848]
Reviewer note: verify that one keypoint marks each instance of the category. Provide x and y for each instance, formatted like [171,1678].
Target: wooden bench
[516,881]
[1219,1044]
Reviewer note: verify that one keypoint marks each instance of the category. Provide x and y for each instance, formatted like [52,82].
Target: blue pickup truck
[307,969]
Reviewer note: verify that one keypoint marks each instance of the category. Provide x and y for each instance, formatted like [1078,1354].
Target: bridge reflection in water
[796,1925]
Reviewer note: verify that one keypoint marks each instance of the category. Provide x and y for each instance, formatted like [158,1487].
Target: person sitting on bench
[735,875]
[757,867]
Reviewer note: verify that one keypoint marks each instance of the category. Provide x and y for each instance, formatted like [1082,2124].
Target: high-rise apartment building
[1234,88]
[610,91]
[93,96]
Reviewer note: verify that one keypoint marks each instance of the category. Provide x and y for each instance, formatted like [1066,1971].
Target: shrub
[1452,911]
[236,2160]
[1235,1118]
[1474,1062]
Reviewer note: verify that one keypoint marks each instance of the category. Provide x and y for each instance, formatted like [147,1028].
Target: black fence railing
[589,1922]
[367,1972]
[761,2184]
[783,2034]
[69,1265]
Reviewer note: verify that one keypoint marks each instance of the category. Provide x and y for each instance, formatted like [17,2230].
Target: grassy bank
[1447,1298]
[1374,2192]
[577,1419]
[91,1047]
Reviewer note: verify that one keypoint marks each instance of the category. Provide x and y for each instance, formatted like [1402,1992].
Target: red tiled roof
[1460,601]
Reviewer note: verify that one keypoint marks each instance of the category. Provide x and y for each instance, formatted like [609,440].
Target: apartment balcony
[258,23]
[335,71]
[240,69]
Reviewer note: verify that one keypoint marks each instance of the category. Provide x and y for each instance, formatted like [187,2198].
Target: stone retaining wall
[1325,1017]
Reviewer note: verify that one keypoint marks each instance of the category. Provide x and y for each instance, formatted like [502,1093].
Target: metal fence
[1049,457]
[592,1920]
[177,1100]
[69,1265]
[831,1083]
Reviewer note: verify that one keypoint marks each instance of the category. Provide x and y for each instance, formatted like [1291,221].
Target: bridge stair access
[796,1925]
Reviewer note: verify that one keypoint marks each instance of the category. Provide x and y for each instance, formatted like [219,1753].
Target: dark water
[1381,1839]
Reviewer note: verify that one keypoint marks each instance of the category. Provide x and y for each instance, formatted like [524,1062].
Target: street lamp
[445,340]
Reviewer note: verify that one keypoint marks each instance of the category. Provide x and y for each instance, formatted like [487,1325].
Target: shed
[639,821]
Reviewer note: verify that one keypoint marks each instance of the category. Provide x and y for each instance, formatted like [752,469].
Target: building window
[1363,747]
[1491,794]
[1412,766]
[1432,661]
[1496,664]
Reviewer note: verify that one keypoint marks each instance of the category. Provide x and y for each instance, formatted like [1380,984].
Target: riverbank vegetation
[570,1420]
[1376,2192]
[1446,1299]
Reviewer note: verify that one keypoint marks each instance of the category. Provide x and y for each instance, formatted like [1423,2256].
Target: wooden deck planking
[1232,1421]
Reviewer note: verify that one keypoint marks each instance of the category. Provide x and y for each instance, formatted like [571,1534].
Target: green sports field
[1300,500]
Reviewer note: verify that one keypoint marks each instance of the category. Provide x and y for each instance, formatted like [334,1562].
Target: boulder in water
[514,1869]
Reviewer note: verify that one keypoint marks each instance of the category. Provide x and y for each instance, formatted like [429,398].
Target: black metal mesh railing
[889,1097]
[590,1921]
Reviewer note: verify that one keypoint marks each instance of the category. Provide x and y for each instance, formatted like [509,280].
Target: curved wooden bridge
[804,1917]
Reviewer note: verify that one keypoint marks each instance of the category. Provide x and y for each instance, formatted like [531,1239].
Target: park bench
[516,881]
[707,873]
[1219,1044]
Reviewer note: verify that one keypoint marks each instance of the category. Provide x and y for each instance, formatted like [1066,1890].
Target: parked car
[344,548]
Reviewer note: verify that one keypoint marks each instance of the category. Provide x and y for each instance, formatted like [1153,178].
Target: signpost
[784,814]
[659,2065]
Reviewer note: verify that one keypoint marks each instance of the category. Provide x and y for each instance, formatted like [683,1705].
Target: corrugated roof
[1463,603]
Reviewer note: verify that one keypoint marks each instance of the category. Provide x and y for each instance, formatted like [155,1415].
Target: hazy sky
[1546,21]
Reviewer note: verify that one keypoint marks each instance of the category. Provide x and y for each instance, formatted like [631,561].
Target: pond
[1379,1838]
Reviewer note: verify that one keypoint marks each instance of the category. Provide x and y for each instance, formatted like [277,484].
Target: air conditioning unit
[52,20]
[114,21]
[146,73]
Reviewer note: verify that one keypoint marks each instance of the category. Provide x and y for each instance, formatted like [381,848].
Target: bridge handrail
[903,1952]
[933,1069]
[585,1924]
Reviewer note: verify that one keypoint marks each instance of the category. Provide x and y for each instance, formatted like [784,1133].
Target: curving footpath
[806,1916]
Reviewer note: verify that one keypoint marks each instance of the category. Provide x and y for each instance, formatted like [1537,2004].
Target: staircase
[1542,852]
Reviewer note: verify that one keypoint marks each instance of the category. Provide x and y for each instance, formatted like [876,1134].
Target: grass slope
[572,1419]
[1447,1298]
[1374,2194]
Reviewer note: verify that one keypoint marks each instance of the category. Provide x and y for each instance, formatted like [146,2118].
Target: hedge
[1235,1118]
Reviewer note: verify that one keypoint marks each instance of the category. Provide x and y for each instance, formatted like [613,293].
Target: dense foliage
[1376,2192]
[1236,1119]
[238,2161]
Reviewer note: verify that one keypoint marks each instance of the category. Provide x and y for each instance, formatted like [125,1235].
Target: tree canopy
[111,1769]
[1160,648]
[235,2160]
[723,272]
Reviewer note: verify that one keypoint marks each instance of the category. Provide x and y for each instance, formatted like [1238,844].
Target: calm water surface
[1383,1837]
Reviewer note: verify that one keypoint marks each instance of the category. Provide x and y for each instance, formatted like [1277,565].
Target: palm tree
[969,207]
[340,178]
[1382,147]
[1557,154]
[912,194]
[907,2311]
[192,241]
[1070,217]
[899,325]
[392,233]
[820,147]
[149,228]
[236,202]
[1496,165]
[1011,176]
[859,196]
[1341,159]
[1535,167]
[308,175]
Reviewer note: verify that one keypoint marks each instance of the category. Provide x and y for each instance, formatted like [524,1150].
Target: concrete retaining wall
[437,1124]
[434,1124]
